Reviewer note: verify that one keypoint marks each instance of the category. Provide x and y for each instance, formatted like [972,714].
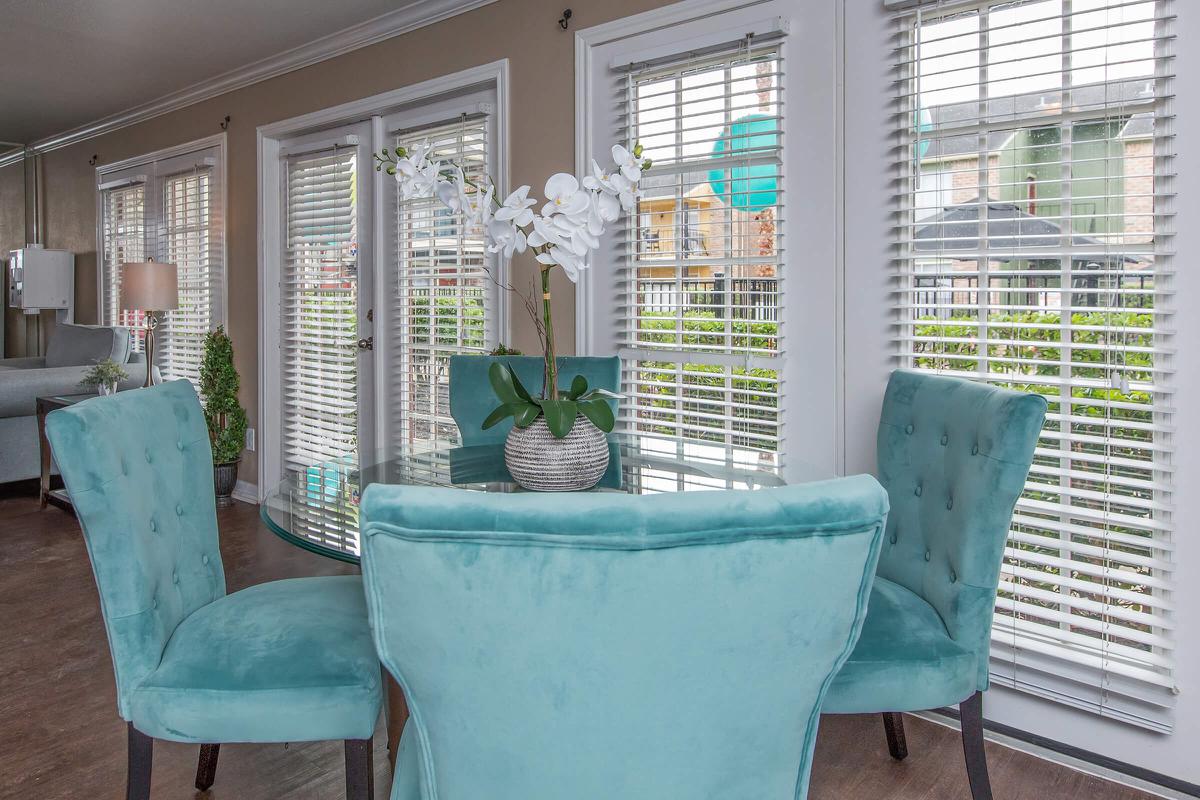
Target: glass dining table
[317,507]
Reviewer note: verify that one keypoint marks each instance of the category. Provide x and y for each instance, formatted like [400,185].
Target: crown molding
[409,17]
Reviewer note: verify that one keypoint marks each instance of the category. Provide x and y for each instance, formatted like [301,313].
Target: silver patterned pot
[543,463]
[224,479]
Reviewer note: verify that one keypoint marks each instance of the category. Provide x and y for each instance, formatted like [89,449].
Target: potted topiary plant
[226,420]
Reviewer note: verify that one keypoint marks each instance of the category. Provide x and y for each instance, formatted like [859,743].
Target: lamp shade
[149,286]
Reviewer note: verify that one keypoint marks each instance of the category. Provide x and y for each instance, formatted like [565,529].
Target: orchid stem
[550,391]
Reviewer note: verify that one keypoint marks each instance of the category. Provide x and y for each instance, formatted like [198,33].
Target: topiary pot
[541,462]
[224,479]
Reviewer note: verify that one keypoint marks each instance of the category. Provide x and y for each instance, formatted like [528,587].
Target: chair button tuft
[975,449]
[945,439]
[153,525]
[892,538]
[179,509]
[154,603]
[175,577]
[928,555]
[908,429]
[179,445]
[149,456]
[953,576]
[918,490]
[949,503]
[204,560]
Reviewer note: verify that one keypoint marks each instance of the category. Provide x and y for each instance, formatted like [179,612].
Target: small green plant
[560,412]
[501,350]
[219,384]
[105,373]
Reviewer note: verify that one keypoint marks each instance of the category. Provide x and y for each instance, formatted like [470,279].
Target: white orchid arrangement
[561,234]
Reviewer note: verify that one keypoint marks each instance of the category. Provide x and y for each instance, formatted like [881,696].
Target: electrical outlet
[250,439]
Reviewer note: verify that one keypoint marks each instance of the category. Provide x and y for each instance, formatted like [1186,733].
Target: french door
[326,280]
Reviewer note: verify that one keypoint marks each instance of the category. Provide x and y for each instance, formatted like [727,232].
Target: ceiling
[65,63]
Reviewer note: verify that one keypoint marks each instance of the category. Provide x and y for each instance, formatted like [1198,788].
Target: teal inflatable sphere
[756,186]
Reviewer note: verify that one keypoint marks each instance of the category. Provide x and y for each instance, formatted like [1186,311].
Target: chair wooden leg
[360,770]
[893,726]
[971,718]
[141,752]
[206,768]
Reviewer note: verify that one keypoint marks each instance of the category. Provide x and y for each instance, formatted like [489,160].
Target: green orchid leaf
[600,393]
[520,387]
[501,378]
[499,413]
[526,415]
[560,416]
[578,387]
[600,414]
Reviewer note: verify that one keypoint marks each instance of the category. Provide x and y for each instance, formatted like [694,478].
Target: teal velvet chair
[953,456]
[287,661]
[472,398]
[598,646]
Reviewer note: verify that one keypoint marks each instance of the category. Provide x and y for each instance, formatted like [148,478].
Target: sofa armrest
[25,362]
[20,388]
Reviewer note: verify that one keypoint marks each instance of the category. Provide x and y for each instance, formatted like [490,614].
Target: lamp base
[151,324]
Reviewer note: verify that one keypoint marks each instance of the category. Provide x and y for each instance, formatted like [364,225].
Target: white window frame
[374,229]
[808,315]
[151,169]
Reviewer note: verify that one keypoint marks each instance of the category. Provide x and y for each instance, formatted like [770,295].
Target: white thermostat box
[41,279]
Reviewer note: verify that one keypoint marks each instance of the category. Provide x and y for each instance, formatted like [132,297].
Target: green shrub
[219,384]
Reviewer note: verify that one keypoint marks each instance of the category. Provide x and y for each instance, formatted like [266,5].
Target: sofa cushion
[78,345]
[905,659]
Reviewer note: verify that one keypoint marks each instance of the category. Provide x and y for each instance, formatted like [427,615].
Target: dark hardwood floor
[61,738]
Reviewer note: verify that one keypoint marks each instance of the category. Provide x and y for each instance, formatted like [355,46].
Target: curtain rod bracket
[225,123]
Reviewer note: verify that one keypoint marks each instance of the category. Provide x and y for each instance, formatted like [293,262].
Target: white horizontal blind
[319,325]
[190,245]
[1035,157]
[124,239]
[698,284]
[443,297]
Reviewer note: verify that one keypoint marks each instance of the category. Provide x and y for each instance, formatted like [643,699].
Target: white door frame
[368,111]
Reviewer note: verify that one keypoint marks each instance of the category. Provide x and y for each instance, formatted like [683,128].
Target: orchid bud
[637,150]
[391,170]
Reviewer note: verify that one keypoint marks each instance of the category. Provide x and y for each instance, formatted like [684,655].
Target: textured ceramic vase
[541,462]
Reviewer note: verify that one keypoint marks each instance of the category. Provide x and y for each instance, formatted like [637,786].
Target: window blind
[443,295]
[698,286]
[319,324]
[124,239]
[171,211]
[1033,229]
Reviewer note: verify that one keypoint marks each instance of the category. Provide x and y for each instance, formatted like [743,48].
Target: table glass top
[317,508]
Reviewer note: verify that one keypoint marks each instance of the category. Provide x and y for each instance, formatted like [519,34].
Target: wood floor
[61,738]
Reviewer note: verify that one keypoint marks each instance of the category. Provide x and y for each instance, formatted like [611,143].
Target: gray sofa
[72,351]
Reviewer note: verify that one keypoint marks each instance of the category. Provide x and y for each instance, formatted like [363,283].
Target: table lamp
[151,287]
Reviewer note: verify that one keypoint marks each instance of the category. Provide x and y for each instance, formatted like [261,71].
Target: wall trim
[246,492]
[409,17]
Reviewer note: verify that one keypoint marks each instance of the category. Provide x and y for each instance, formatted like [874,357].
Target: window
[166,207]
[698,285]
[444,293]
[1043,129]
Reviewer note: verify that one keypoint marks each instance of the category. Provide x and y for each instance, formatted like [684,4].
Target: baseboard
[1073,757]
[246,492]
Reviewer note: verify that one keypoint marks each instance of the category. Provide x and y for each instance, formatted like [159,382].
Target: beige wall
[541,57]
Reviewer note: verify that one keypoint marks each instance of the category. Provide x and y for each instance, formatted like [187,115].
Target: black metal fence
[937,295]
[755,299]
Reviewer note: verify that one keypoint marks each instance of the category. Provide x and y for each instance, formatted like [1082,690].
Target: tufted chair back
[472,398]
[953,455]
[138,466]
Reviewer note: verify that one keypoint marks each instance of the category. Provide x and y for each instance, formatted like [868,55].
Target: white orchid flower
[606,207]
[480,213]
[505,237]
[627,192]
[599,180]
[516,208]
[545,232]
[627,162]
[571,264]
[564,196]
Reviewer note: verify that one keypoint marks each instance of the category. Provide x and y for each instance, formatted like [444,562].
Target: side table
[45,405]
